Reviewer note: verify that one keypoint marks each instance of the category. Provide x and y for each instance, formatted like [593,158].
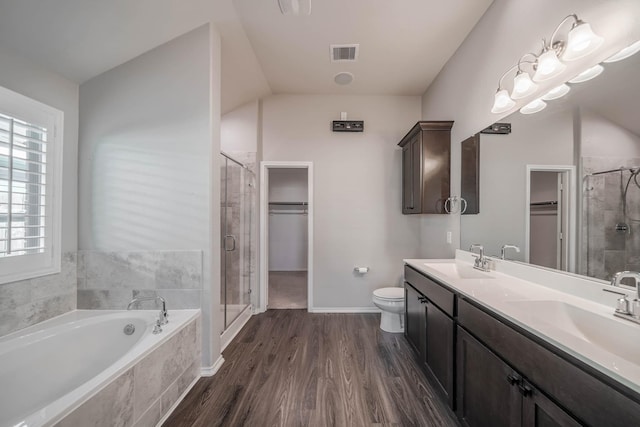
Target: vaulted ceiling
[403,43]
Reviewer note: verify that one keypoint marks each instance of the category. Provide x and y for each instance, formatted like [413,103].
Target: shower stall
[238,249]
[611,217]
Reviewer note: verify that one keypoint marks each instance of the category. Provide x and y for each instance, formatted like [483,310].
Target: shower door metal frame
[223,245]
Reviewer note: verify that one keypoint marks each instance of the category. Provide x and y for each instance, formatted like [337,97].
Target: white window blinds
[23,187]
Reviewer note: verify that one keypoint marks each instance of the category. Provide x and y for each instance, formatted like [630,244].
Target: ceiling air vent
[344,52]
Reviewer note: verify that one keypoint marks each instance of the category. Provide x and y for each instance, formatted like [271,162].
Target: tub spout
[163,316]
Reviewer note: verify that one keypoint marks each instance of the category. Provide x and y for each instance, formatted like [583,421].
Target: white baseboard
[175,405]
[209,371]
[227,336]
[344,310]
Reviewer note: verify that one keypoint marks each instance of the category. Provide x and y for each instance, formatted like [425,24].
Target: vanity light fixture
[548,65]
[534,106]
[523,86]
[556,92]
[579,42]
[624,53]
[295,7]
[588,74]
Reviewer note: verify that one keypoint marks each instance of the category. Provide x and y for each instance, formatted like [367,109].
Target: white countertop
[579,319]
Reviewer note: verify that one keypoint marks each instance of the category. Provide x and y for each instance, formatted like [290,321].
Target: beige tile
[111,407]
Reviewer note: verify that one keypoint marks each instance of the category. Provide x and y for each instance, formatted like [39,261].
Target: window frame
[29,266]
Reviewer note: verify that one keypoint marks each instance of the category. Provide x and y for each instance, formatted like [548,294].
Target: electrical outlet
[449,237]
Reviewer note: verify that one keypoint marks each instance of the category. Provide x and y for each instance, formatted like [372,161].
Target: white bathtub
[49,369]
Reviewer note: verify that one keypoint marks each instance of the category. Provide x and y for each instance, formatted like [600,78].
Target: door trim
[264,229]
[569,237]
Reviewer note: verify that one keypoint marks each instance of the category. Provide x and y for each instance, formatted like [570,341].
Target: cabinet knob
[513,379]
[525,390]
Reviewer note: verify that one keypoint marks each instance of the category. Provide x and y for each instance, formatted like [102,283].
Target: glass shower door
[236,222]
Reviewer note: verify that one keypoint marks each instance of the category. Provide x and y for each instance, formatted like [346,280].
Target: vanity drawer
[440,296]
[595,401]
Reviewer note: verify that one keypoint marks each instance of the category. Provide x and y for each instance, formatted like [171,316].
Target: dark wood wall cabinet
[493,373]
[426,167]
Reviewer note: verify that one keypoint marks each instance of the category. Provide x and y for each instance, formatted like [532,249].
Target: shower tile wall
[606,251]
[109,280]
[27,302]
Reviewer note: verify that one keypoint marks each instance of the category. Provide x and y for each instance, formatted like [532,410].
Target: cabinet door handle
[525,390]
[513,379]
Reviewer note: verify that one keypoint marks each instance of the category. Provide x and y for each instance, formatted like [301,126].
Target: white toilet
[391,302]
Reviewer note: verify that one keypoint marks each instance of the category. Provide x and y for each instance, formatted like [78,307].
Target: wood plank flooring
[293,368]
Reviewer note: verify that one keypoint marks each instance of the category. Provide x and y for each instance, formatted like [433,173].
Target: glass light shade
[557,92]
[295,7]
[534,107]
[588,74]
[581,42]
[624,53]
[548,66]
[502,102]
[523,86]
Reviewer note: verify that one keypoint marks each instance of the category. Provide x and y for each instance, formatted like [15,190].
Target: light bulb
[548,66]
[502,102]
[534,107]
[523,86]
[581,41]
[588,74]
[557,92]
[624,53]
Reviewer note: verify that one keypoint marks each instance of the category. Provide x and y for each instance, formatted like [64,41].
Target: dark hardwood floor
[293,368]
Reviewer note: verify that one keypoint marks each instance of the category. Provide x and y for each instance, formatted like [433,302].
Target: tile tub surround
[110,280]
[27,302]
[147,391]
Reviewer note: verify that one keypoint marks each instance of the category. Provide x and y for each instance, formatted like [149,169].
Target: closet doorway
[550,217]
[286,235]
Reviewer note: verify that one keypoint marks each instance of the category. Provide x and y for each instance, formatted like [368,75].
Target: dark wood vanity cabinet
[430,331]
[492,393]
[566,392]
[426,165]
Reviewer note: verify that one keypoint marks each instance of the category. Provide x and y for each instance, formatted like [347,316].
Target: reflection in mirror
[470,179]
[595,128]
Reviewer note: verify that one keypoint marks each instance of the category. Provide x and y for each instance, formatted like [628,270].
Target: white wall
[288,233]
[603,138]
[239,129]
[541,139]
[357,188]
[144,150]
[464,89]
[30,80]
[148,179]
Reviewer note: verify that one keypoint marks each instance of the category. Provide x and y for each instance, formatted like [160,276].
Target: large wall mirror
[563,185]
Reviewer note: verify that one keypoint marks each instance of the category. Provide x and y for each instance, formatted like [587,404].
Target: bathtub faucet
[163,317]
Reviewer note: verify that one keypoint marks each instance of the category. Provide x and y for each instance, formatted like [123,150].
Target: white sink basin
[613,336]
[458,271]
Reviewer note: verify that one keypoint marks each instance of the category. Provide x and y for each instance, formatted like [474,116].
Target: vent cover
[344,52]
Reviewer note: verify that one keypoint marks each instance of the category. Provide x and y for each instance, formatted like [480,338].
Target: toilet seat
[390,294]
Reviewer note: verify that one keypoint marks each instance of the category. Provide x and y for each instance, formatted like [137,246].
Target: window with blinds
[23,186]
[30,187]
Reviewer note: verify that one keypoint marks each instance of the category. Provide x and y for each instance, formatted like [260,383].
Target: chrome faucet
[617,278]
[163,316]
[504,248]
[481,262]
[626,309]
